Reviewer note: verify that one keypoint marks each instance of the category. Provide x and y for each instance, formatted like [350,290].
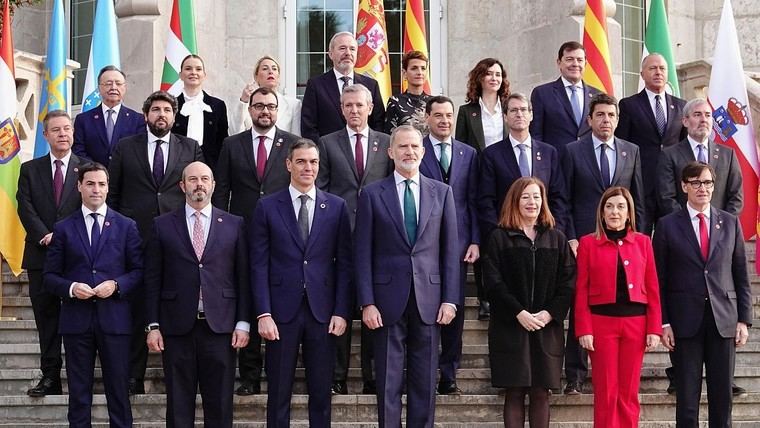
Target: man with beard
[198,298]
[145,171]
[252,165]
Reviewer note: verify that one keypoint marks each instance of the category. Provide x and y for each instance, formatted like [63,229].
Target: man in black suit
[651,119]
[590,166]
[321,111]
[145,171]
[705,294]
[560,107]
[252,165]
[198,301]
[350,159]
[46,194]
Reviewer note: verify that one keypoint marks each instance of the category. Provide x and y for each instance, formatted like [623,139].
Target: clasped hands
[534,322]
[103,290]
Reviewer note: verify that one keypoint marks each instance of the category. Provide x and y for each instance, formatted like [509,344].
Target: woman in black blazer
[480,120]
[201,116]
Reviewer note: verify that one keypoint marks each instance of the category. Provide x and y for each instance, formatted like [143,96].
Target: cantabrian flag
[12,233]
[597,72]
[415,36]
[372,57]
[732,116]
[179,44]
[657,40]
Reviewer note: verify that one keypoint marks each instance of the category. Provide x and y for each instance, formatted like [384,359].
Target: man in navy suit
[198,301]
[651,119]
[456,164]
[94,264]
[560,107]
[407,278]
[321,111]
[301,274]
[706,297]
[590,166]
[96,131]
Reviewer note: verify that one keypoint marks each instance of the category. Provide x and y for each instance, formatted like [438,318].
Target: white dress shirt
[578,91]
[114,115]
[164,148]
[64,164]
[611,153]
[365,146]
[295,198]
[694,149]
[528,151]
[267,143]
[493,124]
[401,189]
[695,221]
[437,147]
[652,103]
[339,79]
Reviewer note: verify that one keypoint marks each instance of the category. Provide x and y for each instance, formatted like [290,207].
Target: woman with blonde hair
[266,74]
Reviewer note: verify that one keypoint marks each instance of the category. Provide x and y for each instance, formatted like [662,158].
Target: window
[632,16]
[82,17]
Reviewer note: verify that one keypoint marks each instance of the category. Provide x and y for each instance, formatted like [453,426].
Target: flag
[597,72]
[372,56]
[179,44]
[104,50]
[657,40]
[732,117]
[12,233]
[54,94]
[415,35]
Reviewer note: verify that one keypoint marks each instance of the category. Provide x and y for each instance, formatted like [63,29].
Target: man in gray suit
[350,159]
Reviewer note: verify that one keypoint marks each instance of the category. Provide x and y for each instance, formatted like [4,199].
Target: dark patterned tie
[303,218]
[261,157]
[604,165]
[109,124]
[345,80]
[410,213]
[359,156]
[158,163]
[659,115]
[94,234]
[58,182]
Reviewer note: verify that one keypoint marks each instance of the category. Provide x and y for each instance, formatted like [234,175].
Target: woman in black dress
[529,274]
[408,107]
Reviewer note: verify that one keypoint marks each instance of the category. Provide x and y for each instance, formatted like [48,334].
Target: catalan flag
[597,72]
[180,43]
[12,233]
[372,57]
[415,36]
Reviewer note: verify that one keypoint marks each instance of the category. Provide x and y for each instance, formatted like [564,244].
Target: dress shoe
[248,388]
[136,386]
[738,391]
[339,388]
[484,311]
[573,388]
[448,388]
[46,386]
[671,388]
[369,387]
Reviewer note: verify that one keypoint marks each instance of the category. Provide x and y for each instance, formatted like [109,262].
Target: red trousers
[619,344]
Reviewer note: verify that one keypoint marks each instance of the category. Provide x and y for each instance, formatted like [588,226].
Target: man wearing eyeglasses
[96,131]
[706,297]
[251,165]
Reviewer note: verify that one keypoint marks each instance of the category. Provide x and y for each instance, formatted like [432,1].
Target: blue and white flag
[104,51]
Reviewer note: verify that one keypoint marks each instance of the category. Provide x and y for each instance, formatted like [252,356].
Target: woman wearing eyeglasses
[200,116]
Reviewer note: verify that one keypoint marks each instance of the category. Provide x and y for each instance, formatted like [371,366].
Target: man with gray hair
[321,112]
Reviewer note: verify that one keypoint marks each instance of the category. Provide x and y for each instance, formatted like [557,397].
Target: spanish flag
[415,38]
[597,72]
[372,58]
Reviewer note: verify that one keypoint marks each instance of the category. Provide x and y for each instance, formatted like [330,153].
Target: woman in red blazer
[617,308]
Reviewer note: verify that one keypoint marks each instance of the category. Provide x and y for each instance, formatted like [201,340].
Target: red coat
[597,277]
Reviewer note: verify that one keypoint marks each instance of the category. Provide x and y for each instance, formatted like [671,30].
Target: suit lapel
[276,155]
[141,149]
[69,182]
[105,232]
[560,94]
[541,167]
[684,149]
[457,158]
[320,212]
[642,100]
[45,172]
[180,226]
[174,154]
[247,149]
[673,118]
[476,123]
[372,147]
[285,207]
[509,160]
[344,142]
[621,159]
[333,90]
[82,232]
[584,126]
[99,122]
[215,224]
[588,153]
[716,231]
[687,230]
[389,196]
[430,162]
[427,199]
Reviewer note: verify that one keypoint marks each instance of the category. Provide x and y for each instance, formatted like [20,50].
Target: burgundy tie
[261,157]
[359,156]
[704,240]
[58,182]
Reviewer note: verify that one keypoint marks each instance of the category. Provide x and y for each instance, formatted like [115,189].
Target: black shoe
[448,388]
[738,391]
[369,387]
[46,386]
[573,388]
[339,388]
[248,388]
[671,388]
[484,312]
[136,386]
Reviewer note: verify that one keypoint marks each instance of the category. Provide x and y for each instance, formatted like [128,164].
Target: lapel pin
[716,156]
[717,226]
[672,107]
[76,169]
[374,143]
[474,114]
[219,220]
[624,154]
[538,157]
[210,122]
[97,117]
[374,149]
[278,144]
[126,114]
[322,205]
[461,153]
[106,224]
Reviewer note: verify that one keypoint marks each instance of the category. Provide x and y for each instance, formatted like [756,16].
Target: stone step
[305,424]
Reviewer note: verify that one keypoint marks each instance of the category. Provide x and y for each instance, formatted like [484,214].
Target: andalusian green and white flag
[179,44]
[657,39]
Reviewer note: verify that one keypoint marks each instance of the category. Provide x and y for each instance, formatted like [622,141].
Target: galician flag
[657,40]
[104,51]
[597,72]
[179,44]
[415,36]
[727,95]
[12,233]
[372,56]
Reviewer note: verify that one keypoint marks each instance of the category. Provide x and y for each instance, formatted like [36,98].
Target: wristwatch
[151,327]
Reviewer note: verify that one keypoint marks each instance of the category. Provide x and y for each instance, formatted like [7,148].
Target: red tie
[704,240]
[261,157]
[359,156]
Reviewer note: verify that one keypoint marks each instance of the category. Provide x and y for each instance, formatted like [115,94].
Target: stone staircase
[479,407]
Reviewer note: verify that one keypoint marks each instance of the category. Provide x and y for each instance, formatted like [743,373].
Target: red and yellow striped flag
[597,72]
[415,36]
[372,57]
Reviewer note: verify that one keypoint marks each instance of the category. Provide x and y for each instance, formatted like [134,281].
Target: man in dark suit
[407,278]
[46,194]
[198,301]
[501,165]
[560,107]
[321,111]
[705,294]
[301,275]
[590,166]
[97,131]
[251,166]
[349,159]
[145,171]
[94,264]
[651,119]
[456,164]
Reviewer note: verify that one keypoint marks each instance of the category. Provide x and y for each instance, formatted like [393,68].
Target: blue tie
[576,104]
[604,165]
[659,115]
[701,153]
[410,213]
[94,234]
[523,161]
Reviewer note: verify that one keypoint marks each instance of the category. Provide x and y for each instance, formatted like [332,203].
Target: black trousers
[47,311]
